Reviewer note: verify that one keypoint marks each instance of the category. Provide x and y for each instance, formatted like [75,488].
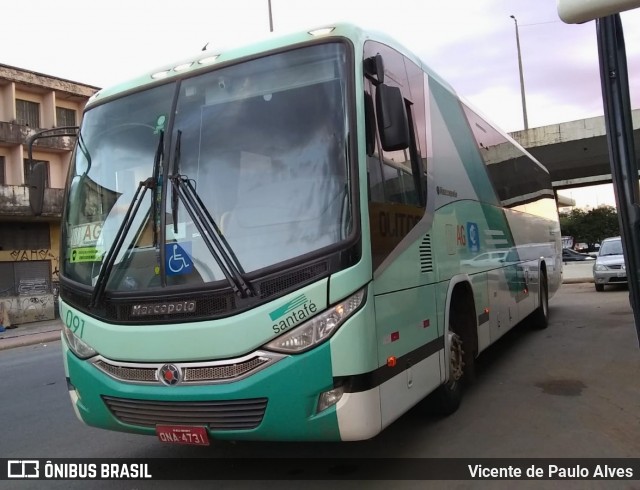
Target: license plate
[183,434]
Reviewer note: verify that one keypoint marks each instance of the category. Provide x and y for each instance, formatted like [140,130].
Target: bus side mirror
[38,176]
[37,181]
[392,118]
[374,69]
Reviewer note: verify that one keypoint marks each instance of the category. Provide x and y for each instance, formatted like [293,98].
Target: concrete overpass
[575,152]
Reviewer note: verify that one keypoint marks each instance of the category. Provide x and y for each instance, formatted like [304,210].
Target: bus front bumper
[283,399]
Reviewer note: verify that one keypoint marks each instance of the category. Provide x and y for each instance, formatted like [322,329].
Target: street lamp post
[270,18]
[524,102]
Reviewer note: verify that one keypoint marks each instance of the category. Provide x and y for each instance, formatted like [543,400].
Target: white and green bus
[276,242]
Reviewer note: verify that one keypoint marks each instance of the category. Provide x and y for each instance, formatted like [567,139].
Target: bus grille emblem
[169,374]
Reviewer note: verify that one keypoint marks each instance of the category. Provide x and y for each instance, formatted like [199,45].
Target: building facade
[29,245]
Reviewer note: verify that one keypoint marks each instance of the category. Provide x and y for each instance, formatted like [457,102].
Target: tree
[571,223]
[591,226]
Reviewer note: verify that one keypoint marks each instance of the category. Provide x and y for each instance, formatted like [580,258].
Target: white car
[487,259]
[609,267]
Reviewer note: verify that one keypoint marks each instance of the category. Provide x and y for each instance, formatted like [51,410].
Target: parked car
[609,267]
[569,255]
[487,259]
[581,247]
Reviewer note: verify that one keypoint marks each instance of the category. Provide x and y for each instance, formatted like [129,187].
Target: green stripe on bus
[287,307]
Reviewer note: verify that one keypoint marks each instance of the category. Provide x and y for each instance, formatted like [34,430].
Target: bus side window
[403,176]
[376,182]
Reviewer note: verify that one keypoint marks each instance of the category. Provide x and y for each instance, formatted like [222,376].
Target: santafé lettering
[166,308]
[303,312]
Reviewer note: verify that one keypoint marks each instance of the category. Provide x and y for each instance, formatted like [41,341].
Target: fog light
[329,398]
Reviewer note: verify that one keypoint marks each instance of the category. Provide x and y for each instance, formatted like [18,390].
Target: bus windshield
[264,146]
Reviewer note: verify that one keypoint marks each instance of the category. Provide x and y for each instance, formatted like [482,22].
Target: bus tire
[540,317]
[447,397]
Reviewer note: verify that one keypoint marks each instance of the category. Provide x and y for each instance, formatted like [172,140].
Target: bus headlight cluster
[78,346]
[318,329]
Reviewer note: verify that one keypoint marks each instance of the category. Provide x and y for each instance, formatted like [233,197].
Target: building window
[28,113]
[25,278]
[24,237]
[28,167]
[65,117]
[2,181]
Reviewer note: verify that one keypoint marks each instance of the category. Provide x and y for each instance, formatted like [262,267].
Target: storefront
[29,270]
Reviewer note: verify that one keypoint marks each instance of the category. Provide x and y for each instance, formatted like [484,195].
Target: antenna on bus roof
[204,48]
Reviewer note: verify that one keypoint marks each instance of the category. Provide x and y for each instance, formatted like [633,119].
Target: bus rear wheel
[540,317]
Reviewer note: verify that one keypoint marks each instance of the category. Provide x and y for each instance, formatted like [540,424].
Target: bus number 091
[74,323]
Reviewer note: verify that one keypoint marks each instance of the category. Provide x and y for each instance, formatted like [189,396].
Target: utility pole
[524,102]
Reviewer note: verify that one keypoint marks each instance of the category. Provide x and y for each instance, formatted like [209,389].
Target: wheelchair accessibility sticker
[178,258]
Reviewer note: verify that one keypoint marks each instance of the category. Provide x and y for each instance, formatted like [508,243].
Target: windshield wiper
[211,234]
[132,211]
[226,259]
[176,170]
[155,198]
[109,260]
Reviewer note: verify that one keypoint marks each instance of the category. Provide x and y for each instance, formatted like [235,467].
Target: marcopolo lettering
[168,308]
[446,192]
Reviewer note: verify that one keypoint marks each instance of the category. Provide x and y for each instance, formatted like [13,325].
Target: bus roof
[201,61]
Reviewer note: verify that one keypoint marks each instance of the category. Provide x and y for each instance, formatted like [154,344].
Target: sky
[470,43]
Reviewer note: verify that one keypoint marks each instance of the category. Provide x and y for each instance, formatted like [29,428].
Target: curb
[577,280]
[30,339]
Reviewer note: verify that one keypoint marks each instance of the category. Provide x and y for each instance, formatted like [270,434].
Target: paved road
[569,391]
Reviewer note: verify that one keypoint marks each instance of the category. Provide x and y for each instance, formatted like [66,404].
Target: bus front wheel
[446,399]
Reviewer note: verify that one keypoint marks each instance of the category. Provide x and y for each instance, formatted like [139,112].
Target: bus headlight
[78,346]
[318,329]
